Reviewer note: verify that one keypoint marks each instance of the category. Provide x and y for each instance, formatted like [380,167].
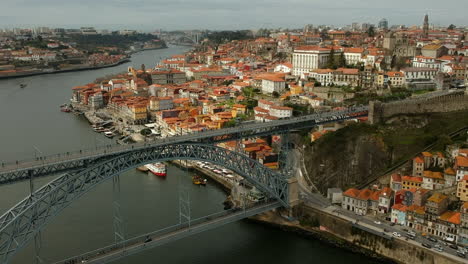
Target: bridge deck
[138,244]
[74,159]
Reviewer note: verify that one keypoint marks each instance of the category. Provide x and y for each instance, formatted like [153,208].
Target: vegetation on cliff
[352,155]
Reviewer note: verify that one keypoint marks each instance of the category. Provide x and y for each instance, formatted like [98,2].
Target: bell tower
[426,26]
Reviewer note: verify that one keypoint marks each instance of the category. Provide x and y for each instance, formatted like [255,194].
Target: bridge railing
[116,148]
[142,239]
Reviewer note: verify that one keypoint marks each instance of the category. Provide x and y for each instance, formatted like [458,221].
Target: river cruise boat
[158,169]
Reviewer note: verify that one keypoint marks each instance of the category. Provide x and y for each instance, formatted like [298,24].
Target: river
[31,124]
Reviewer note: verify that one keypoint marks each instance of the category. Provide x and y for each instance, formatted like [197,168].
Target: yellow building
[139,113]
[409,182]
[462,189]
[295,89]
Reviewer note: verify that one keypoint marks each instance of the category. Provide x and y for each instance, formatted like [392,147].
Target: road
[317,201]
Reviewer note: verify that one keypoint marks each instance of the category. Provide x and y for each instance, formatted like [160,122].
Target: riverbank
[75,69]
[317,224]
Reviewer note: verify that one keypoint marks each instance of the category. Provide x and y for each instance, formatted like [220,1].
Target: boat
[158,169]
[98,129]
[197,180]
[109,134]
[23,85]
[65,109]
[142,168]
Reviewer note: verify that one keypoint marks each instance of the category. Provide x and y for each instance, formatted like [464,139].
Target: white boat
[158,169]
[109,134]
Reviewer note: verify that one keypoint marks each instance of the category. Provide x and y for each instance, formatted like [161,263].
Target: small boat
[99,129]
[143,169]
[65,109]
[109,134]
[158,169]
[23,85]
[197,180]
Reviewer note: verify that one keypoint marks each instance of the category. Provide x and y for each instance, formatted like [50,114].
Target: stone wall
[448,102]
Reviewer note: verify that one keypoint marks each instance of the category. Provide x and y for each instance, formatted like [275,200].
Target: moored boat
[109,134]
[158,169]
[143,169]
[197,180]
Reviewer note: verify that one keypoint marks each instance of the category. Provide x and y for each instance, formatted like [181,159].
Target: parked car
[377,222]
[392,224]
[453,246]
[426,245]
[460,254]
[396,234]
[439,249]
[431,239]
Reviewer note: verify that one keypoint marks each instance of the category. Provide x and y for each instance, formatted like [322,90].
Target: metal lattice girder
[41,166]
[16,225]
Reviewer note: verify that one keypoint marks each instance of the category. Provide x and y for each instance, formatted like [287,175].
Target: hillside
[350,156]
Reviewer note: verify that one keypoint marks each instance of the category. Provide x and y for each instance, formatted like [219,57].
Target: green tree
[371,31]
[451,27]
[331,60]
[342,60]
[275,94]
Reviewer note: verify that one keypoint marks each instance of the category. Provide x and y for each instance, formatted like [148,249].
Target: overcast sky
[226,14]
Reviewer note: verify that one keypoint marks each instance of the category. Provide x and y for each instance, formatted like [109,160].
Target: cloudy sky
[226,14]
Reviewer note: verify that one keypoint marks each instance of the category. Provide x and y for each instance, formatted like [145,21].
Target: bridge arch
[19,225]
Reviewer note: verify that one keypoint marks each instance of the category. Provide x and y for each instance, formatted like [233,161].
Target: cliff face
[351,155]
[346,158]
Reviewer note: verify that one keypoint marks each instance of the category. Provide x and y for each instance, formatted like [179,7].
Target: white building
[308,58]
[419,74]
[426,62]
[273,84]
[353,55]
[281,111]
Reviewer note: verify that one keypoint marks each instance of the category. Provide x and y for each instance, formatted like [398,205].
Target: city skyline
[210,14]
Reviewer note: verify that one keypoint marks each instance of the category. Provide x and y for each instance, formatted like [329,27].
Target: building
[418,166]
[462,189]
[395,182]
[170,76]
[335,195]
[385,200]
[426,26]
[273,84]
[396,79]
[411,182]
[461,166]
[353,55]
[308,58]
[281,111]
[434,51]
[447,226]
[463,230]
[433,180]
[383,24]
[436,205]
[398,215]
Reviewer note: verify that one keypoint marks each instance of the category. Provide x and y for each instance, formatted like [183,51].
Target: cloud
[218,14]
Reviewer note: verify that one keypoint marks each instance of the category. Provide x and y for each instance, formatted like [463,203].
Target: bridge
[84,169]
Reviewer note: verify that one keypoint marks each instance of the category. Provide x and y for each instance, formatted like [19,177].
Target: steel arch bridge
[21,223]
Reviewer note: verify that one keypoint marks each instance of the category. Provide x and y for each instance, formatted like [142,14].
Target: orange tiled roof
[461,161]
[451,217]
[418,159]
[399,207]
[352,192]
[437,198]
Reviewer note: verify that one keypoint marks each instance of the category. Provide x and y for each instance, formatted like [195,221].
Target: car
[377,222]
[411,233]
[426,245]
[460,254]
[396,234]
[411,237]
[392,224]
[438,249]
[453,246]
[405,229]
[431,239]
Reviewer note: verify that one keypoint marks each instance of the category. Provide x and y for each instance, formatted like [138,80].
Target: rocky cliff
[350,156]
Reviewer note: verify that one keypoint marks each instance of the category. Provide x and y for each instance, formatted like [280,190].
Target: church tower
[426,26]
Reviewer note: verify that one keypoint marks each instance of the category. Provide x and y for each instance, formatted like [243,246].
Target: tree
[145,132]
[342,60]
[451,27]
[331,59]
[371,31]
[275,94]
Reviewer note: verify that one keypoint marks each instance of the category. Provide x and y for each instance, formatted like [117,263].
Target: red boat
[158,169]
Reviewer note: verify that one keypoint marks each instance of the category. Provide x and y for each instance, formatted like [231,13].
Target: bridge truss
[21,223]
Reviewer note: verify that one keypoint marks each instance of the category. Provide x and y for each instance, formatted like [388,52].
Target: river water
[31,124]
